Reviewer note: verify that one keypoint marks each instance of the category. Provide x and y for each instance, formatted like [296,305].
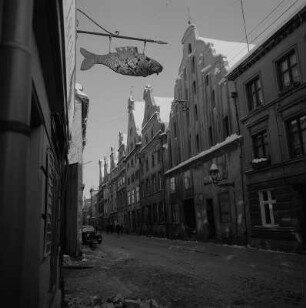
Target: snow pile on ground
[116,301]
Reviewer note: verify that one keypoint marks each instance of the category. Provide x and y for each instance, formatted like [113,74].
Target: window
[296,132]
[211,141]
[207,80]
[174,129]
[154,186]
[137,194]
[133,196]
[187,180]
[213,99]
[267,206]
[152,134]
[153,160]
[189,48]
[147,164]
[159,181]
[129,197]
[254,93]
[260,144]
[193,64]
[198,142]
[172,185]
[175,213]
[196,112]
[287,70]
[194,87]
[158,156]
[226,129]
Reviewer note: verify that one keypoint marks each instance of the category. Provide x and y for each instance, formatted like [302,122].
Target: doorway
[189,215]
[210,218]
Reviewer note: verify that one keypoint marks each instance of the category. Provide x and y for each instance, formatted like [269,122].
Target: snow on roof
[219,145]
[300,6]
[233,51]
[164,104]
[79,91]
[138,114]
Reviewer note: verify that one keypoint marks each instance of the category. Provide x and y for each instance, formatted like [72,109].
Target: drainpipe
[234,96]
[15,108]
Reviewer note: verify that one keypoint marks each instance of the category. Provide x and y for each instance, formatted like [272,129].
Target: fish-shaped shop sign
[125,61]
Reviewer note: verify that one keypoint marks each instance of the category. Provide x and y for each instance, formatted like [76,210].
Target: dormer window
[189,49]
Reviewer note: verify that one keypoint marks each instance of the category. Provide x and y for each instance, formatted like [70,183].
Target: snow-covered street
[187,274]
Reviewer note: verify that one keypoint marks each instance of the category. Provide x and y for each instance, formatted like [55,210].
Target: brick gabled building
[155,122]
[135,117]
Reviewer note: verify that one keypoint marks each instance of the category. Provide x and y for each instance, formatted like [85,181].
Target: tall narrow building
[204,181]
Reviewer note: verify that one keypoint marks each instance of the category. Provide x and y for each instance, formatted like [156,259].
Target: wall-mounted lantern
[214,173]
[216,177]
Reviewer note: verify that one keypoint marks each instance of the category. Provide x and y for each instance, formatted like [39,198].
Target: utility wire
[246,36]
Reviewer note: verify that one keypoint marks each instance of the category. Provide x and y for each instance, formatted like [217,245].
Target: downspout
[15,109]
[234,95]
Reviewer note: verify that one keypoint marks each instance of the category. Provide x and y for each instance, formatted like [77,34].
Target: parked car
[90,235]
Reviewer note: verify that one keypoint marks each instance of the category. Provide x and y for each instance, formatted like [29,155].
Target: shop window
[267,207]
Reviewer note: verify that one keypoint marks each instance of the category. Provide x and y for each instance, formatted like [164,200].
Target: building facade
[121,181]
[74,190]
[135,117]
[37,93]
[271,94]
[204,140]
[154,125]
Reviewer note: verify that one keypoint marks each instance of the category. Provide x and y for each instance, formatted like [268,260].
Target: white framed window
[133,196]
[267,207]
[129,197]
[137,193]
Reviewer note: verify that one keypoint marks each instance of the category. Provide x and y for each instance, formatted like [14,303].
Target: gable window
[267,204]
[287,70]
[226,129]
[296,132]
[260,144]
[193,64]
[211,141]
[198,142]
[189,48]
[172,185]
[196,112]
[194,88]
[254,93]
[153,160]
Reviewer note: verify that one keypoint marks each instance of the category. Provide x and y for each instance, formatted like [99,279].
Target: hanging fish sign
[125,61]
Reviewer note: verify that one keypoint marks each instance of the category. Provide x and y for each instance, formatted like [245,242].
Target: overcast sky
[164,20]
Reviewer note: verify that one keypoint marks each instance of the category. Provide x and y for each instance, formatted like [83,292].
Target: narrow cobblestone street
[186,274]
